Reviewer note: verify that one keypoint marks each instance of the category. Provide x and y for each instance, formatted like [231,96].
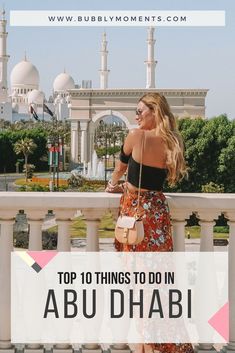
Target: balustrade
[230,348]
[93,206]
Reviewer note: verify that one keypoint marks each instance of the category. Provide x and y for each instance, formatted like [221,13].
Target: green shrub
[94,182]
[21,239]
[34,187]
[63,188]
[212,187]
[91,188]
[49,240]
[22,188]
[38,187]
[224,229]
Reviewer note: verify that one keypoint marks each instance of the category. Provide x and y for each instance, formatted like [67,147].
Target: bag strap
[140,175]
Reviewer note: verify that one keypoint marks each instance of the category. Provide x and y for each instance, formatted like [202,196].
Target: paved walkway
[7,182]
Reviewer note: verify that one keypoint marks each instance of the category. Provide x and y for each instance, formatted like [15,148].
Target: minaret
[151,63]
[3,58]
[104,71]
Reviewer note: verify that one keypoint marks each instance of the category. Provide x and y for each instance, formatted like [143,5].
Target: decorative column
[207,223]
[204,348]
[74,141]
[230,348]
[62,348]
[92,218]
[206,241]
[118,347]
[84,147]
[35,234]
[91,348]
[6,246]
[34,348]
[35,220]
[63,219]
[206,244]
[150,62]
[178,224]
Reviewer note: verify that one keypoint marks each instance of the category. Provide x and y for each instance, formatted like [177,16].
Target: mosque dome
[63,82]
[24,74]
[35,96]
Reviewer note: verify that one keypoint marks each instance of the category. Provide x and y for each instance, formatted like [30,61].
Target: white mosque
[25,90]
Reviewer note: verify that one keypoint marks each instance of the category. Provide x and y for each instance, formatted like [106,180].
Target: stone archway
[121,125]
[89,105]
[99,116]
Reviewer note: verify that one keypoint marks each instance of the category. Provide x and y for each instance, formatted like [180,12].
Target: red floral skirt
[157,229]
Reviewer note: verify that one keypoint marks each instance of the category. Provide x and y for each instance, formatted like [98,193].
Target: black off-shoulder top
[152,178]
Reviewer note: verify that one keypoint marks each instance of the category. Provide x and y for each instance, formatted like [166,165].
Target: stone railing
[93,206]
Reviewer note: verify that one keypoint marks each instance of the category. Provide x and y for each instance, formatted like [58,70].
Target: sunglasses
[139,111]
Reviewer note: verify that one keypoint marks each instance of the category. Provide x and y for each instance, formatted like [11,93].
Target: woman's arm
[118,172]
[121,165]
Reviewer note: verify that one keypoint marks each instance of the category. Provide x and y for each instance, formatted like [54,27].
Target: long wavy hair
[166,126]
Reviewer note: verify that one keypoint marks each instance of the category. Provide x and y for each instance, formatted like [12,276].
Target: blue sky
[188,57]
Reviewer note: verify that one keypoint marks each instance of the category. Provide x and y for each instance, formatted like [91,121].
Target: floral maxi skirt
[157,237]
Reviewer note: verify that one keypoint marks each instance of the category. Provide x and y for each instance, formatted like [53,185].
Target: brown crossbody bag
[130,230]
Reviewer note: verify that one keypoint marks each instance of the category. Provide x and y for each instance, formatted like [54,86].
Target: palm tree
[25,146]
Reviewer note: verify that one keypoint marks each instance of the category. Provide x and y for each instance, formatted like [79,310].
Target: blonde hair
[167,127]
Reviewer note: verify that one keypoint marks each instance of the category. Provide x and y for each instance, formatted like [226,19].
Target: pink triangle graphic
[42,257]
[220,321]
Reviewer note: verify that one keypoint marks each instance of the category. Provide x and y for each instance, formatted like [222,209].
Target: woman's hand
[116,189]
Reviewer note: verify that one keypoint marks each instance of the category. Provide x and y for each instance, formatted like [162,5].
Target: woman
[162,159]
